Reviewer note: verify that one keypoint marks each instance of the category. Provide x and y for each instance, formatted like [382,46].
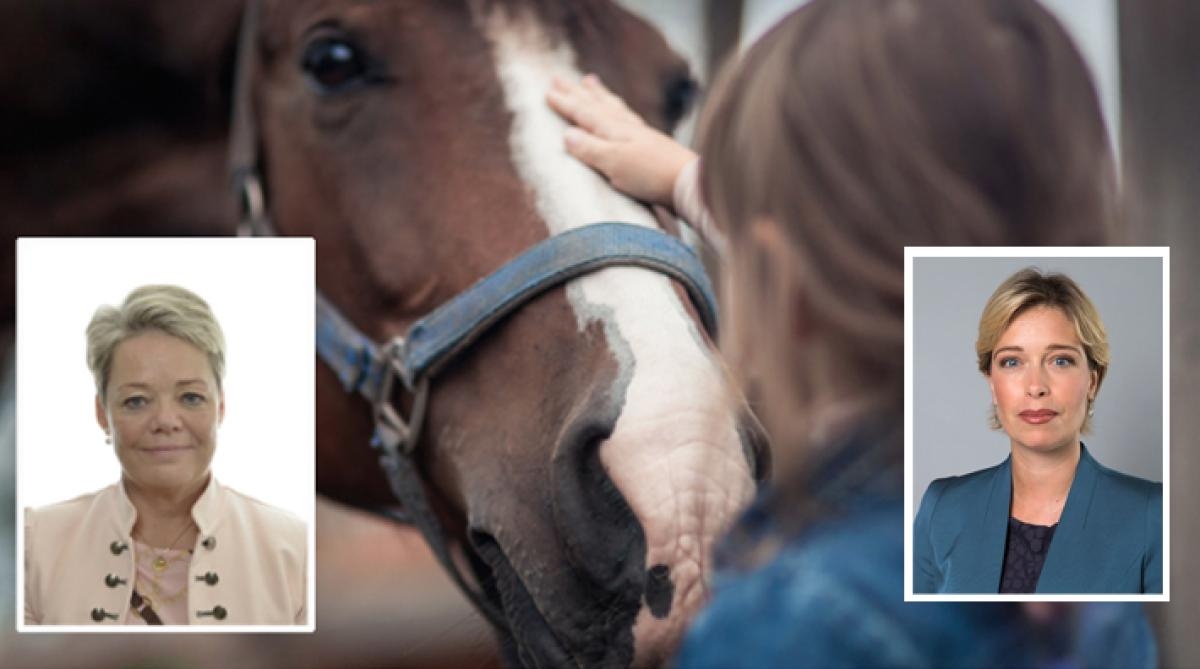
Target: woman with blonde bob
[1050,518]
[167,544]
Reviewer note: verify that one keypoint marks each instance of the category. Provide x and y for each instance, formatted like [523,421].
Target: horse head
[583,455]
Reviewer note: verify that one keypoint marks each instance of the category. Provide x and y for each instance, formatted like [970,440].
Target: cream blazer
[248,564]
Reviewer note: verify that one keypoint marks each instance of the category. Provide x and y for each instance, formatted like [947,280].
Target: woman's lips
[1038,416]
[165,450]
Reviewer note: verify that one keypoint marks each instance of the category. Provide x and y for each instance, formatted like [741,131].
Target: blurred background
[74,77]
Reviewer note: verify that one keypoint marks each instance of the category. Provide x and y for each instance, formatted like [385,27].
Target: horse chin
[529,641]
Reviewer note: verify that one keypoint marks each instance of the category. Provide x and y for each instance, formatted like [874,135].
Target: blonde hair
[169,309]
[848,129]
[1031,288]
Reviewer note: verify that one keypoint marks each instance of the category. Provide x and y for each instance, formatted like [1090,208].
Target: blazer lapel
[1073,543]
[982,544]
[995,527]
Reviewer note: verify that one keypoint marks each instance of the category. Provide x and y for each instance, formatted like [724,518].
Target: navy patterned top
[1024,554]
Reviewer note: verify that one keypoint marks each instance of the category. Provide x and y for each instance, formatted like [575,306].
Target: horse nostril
[596,524]
[659,590]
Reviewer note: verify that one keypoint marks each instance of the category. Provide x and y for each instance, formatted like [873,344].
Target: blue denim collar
[852,472]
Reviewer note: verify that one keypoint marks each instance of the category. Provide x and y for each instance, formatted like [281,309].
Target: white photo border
[243,263]
[912,252]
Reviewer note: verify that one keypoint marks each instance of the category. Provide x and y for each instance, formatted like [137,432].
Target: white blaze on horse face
[675,453]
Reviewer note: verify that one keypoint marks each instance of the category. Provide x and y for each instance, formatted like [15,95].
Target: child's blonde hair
[855,128]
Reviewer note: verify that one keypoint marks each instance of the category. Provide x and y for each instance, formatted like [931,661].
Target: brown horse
[115,121]
[583,454]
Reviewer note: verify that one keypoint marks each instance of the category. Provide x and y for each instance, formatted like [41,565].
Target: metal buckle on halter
[394,436]
[253,203]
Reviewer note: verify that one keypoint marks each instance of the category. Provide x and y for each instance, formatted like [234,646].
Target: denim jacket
[833,594]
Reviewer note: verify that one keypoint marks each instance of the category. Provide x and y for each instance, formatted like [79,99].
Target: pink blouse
[690,207]
[166,589]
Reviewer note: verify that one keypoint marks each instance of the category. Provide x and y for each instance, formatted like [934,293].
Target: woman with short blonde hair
[167,544]
[1030,288]
[173,310]
[1050,518]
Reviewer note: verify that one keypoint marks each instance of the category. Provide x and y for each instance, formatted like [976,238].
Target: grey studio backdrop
[951,401]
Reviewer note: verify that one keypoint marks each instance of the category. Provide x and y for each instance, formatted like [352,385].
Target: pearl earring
[107,438]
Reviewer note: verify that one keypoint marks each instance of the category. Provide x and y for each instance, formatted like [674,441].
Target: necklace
[160,591]
[160,561]
[163,590]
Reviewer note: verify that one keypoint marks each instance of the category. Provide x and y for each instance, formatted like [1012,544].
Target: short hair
[172,310]
[1031,288]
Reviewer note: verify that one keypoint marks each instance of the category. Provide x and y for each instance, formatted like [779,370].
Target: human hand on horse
[612,139]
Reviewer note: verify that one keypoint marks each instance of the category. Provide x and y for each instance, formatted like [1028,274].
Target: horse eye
[679,96]
[333,64]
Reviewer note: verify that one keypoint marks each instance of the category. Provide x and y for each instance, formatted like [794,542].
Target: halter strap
[370,369]
[243,132]
[361,365]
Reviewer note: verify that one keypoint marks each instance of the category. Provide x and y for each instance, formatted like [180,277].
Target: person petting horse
[852,129]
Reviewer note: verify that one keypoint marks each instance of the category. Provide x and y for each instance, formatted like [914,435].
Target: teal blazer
[1109,537]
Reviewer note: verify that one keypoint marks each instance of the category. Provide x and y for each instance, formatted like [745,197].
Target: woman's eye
[193,399]
[333,64]
[1063,361]
[135,402]
[1007,363]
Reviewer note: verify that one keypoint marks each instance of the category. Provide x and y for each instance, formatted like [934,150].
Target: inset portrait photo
[1036,446]
[165,435]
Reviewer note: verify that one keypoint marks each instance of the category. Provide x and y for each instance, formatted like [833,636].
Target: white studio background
[261,291]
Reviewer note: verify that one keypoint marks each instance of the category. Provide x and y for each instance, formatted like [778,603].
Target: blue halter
[361,365]
[370,369]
